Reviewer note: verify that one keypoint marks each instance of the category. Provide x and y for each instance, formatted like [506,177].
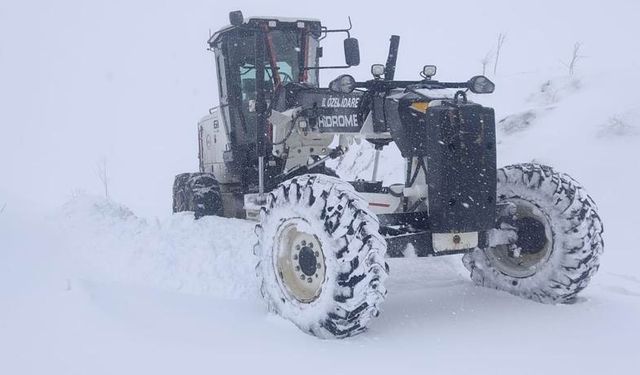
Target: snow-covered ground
[96,290]
[89,286]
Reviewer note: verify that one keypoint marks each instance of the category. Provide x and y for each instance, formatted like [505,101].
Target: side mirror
[236,18]
[481,85]
[351,52]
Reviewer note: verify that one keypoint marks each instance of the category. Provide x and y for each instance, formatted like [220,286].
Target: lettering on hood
[335,102]
[338,121]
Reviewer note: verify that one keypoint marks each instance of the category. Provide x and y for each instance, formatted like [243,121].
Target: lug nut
[295,256]
[297,268]
[309,280]
[298,247]
[318,266]
[303,242]
[301,277]
[317,254]
[311,245]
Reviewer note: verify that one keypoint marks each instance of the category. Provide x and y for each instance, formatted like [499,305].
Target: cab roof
[255,20]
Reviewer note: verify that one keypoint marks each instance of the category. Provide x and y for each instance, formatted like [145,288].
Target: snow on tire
[559,237]
[321,258]
[197,192]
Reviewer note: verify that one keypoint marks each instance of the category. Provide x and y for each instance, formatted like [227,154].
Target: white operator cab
[227,135]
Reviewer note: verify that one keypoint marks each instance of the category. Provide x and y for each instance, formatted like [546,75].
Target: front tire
[559,237]
[321,258]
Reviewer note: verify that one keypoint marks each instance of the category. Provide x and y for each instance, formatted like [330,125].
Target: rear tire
[559,237]
[198,193]
[321,258]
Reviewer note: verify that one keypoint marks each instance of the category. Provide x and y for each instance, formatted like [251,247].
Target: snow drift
[208,256]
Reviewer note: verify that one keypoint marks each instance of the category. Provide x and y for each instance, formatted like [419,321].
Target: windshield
[288,52]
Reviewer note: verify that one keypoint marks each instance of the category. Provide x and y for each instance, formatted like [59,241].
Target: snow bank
[108,242]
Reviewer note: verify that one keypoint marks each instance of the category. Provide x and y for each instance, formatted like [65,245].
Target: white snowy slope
[89,286]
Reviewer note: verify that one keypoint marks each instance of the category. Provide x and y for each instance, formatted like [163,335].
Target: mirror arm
[326,31]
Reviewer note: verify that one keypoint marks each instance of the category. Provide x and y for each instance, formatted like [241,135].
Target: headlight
[377,70]
[429,71]
[344,84]
[481,85]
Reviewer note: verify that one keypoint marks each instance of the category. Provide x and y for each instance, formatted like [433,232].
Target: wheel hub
[308,261]
[531,235]
[300,262]
[534,244]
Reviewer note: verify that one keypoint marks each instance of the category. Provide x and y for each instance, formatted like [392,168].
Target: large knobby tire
[321,258]
[198,193]
[559,237]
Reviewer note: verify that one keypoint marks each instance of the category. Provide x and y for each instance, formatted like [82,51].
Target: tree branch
[101,171]
[501,38]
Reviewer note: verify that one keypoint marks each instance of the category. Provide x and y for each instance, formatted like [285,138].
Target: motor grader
[321,241]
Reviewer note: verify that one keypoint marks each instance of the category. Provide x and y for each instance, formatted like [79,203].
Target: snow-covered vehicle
[322,242]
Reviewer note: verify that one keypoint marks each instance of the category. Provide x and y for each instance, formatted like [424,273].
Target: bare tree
[575,57]
[75,193]
[501,38]
[2,208]
[101,171]
[485,61]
